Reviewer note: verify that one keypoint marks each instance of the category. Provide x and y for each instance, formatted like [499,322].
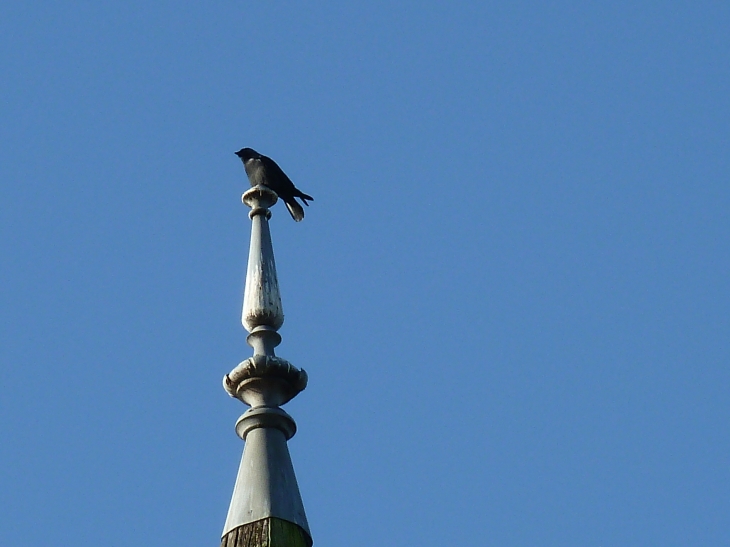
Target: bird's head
[247,153]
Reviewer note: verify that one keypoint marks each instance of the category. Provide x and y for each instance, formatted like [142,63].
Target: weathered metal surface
[266,485]
[266,497]
[262,299]
[264,380]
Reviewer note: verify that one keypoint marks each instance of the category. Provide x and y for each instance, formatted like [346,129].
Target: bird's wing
[273,170]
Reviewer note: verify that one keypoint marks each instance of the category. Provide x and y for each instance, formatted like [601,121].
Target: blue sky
[510,292]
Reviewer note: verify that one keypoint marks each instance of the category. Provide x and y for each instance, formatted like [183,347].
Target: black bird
[263,170]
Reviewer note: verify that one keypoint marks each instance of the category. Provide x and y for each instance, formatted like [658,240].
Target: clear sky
[510,293]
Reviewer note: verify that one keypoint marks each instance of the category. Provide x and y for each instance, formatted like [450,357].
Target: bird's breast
[255,171]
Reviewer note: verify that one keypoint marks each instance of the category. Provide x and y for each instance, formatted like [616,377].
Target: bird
[263,170]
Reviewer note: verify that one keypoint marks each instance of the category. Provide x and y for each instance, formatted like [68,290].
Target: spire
[266,509]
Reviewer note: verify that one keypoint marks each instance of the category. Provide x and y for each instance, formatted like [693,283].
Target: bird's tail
[295,210]
[304,197]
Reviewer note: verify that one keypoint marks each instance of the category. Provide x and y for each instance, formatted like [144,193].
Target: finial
[252,380]
[266,498]
[263,313]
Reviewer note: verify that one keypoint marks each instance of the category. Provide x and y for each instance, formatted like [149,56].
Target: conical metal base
[266,485]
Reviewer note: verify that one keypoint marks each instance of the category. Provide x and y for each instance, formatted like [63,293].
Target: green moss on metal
[268,532]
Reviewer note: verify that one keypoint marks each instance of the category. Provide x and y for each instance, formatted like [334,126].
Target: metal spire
[266,508]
